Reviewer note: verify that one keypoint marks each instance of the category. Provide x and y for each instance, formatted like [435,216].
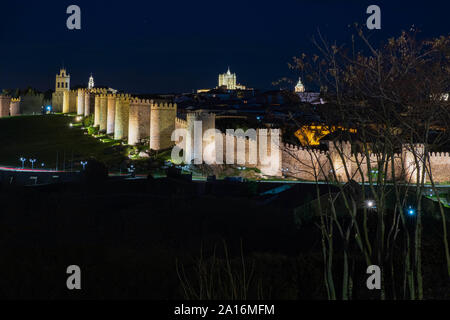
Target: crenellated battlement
[199,114]
[180,121]
[163,105]
[441,155]
[141,101]
[97,91]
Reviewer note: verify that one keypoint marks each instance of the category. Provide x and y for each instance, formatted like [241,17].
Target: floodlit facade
[228,80]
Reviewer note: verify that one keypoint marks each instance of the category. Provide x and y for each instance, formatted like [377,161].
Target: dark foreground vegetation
[171,239]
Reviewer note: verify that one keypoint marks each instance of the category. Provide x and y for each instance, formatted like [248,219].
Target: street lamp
[23,161]
[32,163]
[370,204]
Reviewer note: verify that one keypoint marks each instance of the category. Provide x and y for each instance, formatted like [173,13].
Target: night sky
[177,46]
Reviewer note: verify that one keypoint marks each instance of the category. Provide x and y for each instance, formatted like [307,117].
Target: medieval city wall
[121,117]
[81,101]
[57,101]
[96,111]
[111,116]
[180,123]
[440,166]
[162,125]
[14,108]
[5,102]
[139,121]
[103,118]
[31,103]
[304,164]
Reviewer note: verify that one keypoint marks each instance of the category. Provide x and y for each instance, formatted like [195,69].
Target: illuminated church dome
[299,87]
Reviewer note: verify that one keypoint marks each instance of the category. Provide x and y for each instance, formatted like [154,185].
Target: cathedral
[228,80]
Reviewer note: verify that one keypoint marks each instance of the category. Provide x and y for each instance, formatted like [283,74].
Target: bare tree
[386,111]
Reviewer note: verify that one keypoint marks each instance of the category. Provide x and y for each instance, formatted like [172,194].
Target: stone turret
[103,112]
[111,114]
[139,120]
[97,111]
[87,103]
[5,102]
[162,125]
[340,153]
[121,117]
[66,102]
[81,102]
[15,107]
[208,120]
[413,156]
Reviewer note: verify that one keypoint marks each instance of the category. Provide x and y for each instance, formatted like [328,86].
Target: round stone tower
[15,107]
[87,103]
[196,145]
[80,102]
[103,112]
[5,103]
[66,102]
[162,125]
[121,117]
[97,111]
[111,114]
[139,122]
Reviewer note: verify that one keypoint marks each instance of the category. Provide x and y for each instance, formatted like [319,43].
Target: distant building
[91,84]
[299,87]
[62,87]
[228,80]
[62,81]
[307,97]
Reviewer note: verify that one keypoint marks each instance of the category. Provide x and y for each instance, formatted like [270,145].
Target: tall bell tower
[62,81]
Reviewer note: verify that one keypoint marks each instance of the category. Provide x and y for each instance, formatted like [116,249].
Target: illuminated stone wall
[57,101]
[5,102]
[81,101]
[139,121]
[121,117]
[15,107]
[208,121]
[103,118]
[111,117]
[162,125]
[307,164]
[66,102]
[70,99]
[97,111]
[88,103]
[180,123]
[440,167]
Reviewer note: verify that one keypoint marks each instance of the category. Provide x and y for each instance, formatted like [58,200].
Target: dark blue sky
[172,46]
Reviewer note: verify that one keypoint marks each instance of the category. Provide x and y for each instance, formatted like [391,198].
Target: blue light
[411,212]
[49,108]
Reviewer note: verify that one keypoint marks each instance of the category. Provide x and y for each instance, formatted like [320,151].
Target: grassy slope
[41,137]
